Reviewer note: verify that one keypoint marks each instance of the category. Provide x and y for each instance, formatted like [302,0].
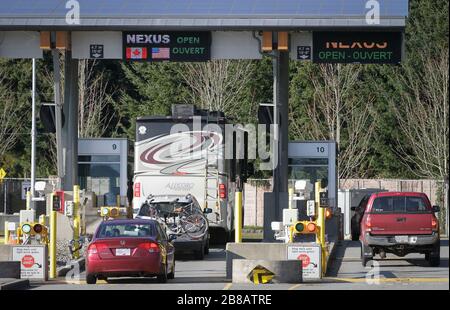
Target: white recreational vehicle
[184,154]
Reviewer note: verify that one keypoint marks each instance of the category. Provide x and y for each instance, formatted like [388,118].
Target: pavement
[345,273]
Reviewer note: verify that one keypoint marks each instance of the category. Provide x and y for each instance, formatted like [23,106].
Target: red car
[130,248]
[400,223]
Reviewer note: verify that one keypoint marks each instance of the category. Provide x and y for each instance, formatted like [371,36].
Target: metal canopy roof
[199,14]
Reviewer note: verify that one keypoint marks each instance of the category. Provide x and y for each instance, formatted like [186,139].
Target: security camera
[40,187]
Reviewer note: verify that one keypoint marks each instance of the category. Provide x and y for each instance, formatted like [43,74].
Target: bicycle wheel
[194,225]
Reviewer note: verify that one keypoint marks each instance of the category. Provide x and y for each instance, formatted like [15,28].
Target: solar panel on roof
[201,8]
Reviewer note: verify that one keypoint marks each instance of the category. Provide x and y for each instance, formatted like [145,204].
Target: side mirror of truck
[207,210]
[436,209]
[172,237]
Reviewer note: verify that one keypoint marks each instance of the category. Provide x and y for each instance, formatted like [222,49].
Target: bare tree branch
[11,117]
[338,113]
[219,84]
[423,114]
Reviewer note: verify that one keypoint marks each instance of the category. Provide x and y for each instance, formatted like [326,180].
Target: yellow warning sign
[260,275]
[2,174]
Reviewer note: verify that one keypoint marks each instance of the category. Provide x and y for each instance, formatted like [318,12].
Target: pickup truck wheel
[434,256]
[364,257]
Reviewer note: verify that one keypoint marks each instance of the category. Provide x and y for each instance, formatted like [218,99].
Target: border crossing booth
[102,165]
[309,162]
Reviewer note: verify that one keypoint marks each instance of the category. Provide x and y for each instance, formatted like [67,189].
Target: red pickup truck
[400,223]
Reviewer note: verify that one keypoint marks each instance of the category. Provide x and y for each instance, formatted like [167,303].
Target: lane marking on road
[82,282]
[227,286]
[392,280]
[77,282]
[296,286]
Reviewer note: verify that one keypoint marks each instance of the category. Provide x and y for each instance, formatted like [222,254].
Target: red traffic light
[37,228]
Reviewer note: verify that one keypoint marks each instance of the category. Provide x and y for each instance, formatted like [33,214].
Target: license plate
[401,239]
[123,252]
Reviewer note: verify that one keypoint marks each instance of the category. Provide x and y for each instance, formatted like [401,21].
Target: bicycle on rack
[179,216]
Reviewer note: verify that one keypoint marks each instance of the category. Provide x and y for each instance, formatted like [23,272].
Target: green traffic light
[299,227]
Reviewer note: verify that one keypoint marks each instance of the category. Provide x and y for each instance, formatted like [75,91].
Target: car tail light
[222,191]
[369,223]
[434,224]
[94,248]
[137,190]
[152,247]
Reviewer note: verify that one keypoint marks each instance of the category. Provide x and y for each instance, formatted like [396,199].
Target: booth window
[311,169]
[101,175]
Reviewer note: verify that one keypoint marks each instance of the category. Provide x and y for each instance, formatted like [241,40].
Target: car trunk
[120,248]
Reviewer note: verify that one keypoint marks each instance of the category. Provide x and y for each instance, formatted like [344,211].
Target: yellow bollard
[52,252]
[76,219]
[238,217]
[6,233]
[320,236]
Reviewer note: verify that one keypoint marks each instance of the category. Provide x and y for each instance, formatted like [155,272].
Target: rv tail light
[137,190]
[222,191]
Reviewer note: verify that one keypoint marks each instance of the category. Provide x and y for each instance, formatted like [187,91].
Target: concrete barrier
[10,269]
[14,284]
[261,250]
[254,251]
[285,271]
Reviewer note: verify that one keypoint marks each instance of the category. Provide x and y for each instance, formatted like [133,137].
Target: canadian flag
[136,53]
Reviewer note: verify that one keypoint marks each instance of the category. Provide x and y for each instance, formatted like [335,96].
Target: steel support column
[70,128]
[58,115]
[273,206]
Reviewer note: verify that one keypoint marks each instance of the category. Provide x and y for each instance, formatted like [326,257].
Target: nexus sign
[358,47]
[167,46]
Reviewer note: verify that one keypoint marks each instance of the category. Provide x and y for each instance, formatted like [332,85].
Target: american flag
[161,53]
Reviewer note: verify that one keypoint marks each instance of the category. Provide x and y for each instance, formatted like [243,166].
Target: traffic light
[305,227]
[110,212]
[39,231]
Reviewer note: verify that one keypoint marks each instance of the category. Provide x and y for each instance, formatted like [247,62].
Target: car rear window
[126,230]
[399,204]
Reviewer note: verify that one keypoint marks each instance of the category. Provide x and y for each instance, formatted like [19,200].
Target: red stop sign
[28,261]
[305,260]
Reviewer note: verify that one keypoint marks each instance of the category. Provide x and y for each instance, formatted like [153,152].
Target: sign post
[33,261]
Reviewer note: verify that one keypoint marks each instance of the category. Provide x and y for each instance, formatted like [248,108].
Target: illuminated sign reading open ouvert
[200,30]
